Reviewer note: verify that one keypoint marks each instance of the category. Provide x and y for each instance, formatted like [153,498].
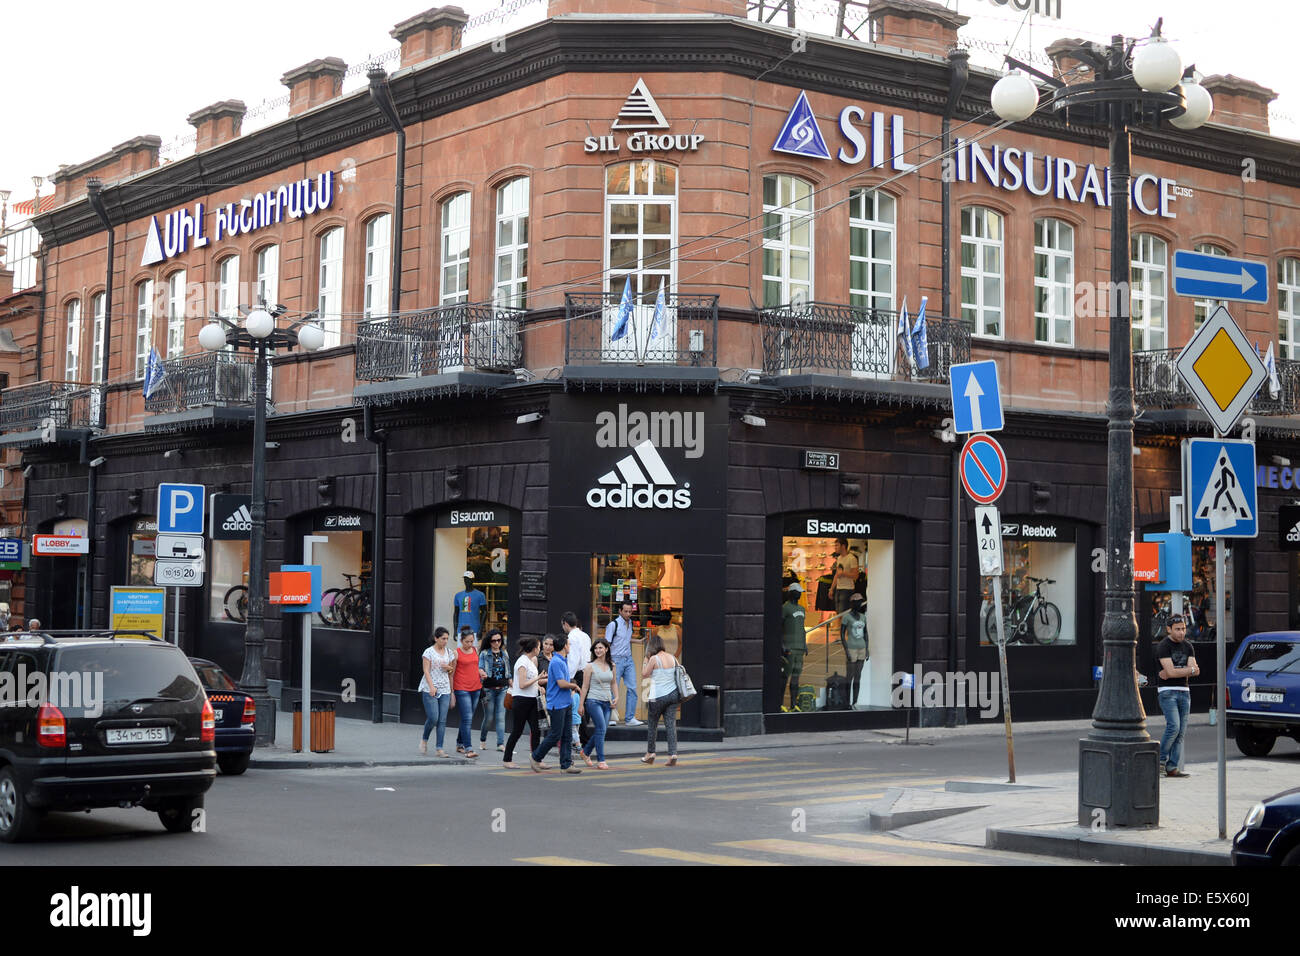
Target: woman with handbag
[661,668]
[435,688]
[524,698]
[494,669]
[597,700]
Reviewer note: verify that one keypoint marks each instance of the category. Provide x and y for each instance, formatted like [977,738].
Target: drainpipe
[93,187]
[91,472]
[382,97]
[43,254]
[379,438]
[959,73]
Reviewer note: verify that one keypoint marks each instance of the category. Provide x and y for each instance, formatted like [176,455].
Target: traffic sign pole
[1002,666]
[1220,678]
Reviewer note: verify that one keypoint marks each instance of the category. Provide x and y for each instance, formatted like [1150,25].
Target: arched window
[143,325]
[72,345]
[1202,309]
[1053,282]
[1148,273]
[981,270]
[787,240]
[1288,308]
[872,239]
[378,238]
[176,314]
[330,289]
[268,275]
[511,281]
[455,250]
[228,287]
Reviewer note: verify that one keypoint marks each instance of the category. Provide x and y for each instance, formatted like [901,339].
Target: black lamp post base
[1119,783]
[264,726]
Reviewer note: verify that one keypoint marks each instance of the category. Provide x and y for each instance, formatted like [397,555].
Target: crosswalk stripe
[819,801]
[716,859]
[558,861]
[792,788]
[925,847]
[694,770]
[752,779]
[835,854]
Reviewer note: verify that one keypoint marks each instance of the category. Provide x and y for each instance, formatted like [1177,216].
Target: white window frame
[97,338]
[329,302]
[792,210]
[510,264]
[1202,309]
[1288,307]
[975,235]
[1149,279]
[648,272]
[72,344]
[1053,245]
[267,262]
[228,287]
[379,232]
[867,214]
[454,257]
[176,314]
[143,325]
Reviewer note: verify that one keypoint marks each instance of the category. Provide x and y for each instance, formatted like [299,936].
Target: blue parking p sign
[180,508]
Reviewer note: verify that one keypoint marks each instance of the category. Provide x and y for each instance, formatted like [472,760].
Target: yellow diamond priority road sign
[1222,369]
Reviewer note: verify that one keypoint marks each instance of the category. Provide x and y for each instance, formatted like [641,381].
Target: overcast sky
[85,76]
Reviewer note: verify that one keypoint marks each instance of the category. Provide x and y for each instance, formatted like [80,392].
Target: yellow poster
[138,609]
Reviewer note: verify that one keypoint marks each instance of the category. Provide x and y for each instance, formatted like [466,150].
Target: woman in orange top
[467,684]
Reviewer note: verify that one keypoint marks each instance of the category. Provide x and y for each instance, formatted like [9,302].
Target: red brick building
[786,195]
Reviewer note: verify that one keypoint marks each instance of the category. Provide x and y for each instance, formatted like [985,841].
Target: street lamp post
[259,334]
[1118,760]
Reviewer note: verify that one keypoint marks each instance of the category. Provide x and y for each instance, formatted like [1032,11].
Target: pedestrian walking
[435,688]
[494,671]
[619,635]
[1177,657]
[467,685]
[523,693]
[579,657]
[597,699]
[559,701]
[543,665]
[661,668]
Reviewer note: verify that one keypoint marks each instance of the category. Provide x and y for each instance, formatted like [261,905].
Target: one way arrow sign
[1203,276]
[988,536]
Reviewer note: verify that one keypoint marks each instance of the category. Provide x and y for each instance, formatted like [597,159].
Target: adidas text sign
[640,480]
[241,520]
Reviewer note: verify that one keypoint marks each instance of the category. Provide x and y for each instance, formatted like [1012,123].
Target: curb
[1106,851]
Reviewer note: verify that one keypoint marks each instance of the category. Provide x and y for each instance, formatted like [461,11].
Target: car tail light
[250,712]
[51,728]
[209,731]
[1227,698]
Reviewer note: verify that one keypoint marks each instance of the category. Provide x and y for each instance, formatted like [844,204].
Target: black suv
[101,719]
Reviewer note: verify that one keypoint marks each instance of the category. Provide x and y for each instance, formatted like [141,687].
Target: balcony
[1157,384]
[686,334]
[197,381]
[454,338]
[37,411]
[821,339]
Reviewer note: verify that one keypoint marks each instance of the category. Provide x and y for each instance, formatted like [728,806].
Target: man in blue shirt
[559,702]
[469,607]
[619,634]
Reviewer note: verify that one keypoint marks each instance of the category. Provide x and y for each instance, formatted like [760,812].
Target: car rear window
[1270,656]
[213,677]
[133,670]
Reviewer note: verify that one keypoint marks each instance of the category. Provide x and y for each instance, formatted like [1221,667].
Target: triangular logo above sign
[153,253]
[640,111]
[801,135]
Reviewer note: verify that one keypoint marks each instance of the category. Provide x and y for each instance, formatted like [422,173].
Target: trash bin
[710,706]
[322,726]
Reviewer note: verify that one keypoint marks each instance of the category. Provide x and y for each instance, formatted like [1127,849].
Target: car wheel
[1255,743]
[1292,858]
[233,764]
[17,820]
[178,813]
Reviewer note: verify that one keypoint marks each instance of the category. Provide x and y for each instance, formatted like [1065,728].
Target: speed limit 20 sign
[178,572]
[988,535]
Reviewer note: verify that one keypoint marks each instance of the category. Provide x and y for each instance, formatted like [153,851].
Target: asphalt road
[739,807]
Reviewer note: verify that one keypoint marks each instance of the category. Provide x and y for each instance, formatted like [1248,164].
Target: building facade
[646,348]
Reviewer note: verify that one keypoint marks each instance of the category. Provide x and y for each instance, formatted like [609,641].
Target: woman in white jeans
[660,667]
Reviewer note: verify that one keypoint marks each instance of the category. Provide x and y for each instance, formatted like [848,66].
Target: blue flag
[920,342]
[624,312]
[657,324]
[905,332]
[154,373]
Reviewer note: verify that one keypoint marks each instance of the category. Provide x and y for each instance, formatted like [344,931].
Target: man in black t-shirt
[1177,659]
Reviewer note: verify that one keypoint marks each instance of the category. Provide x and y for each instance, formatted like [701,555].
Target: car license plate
[1266,697]
[138,735]
[217,712]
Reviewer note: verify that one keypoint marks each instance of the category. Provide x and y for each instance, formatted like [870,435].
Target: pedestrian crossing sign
[1219,482]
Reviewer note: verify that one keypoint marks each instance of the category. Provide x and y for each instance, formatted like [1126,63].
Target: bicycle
[1032,613]
[348,607]
[235,603]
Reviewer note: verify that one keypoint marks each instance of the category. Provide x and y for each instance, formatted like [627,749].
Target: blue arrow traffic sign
[983,469]
[1203,276]
[1220,487]
[976,397]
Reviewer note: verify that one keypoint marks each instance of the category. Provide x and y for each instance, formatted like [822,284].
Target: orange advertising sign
[290,587]
[1146,562]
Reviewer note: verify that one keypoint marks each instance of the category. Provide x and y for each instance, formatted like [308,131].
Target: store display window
[477,541]
[140,552]
[231,525]
[1039,584]
[837,650]
[344,559]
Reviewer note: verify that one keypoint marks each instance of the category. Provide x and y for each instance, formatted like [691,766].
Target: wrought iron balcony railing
[46,404]
[686,332]
[453,338]
[828,339]
[209,379]
[1157,384]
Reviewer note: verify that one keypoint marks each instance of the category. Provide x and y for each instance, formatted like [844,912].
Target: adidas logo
[240,520]
[640,111]
[641,480]
[1294,534]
